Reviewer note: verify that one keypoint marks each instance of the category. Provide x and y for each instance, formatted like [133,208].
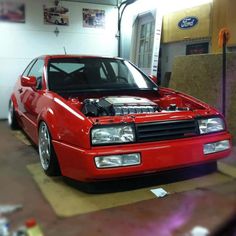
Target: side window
[121,71]
[28,68]
[115,68]
[37,71]
[103,72]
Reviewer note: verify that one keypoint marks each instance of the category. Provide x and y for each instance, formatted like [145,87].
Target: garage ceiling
[102,2]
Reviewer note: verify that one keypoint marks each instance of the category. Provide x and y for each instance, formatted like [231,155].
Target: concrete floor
[176,214]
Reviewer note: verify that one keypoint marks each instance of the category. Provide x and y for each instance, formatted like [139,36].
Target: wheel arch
[14,101]
[48,116]
[53,168]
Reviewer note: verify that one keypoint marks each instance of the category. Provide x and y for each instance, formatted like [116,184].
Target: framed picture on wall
[11,11]
[93,18]
[56,14]
[198,48]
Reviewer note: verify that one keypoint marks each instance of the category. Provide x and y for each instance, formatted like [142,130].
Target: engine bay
[124,105]
[120,105]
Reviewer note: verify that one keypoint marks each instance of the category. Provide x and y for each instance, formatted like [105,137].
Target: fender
[65,123]
[48,116]
[14,101]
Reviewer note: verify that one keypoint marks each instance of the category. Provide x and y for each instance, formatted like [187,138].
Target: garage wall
[20,43]
[175,39]
[172,50]
[201,76]
[173,33]
[223,16]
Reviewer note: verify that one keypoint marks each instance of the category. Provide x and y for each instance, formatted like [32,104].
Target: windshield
[83,74]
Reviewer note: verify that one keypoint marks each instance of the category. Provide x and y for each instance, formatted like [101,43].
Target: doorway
[145,26]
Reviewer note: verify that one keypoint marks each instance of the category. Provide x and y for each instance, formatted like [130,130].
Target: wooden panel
[201,75]
[223,16]
[172,32]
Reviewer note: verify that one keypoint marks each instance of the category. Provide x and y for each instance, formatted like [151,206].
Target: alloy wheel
[44,146]
[10,114]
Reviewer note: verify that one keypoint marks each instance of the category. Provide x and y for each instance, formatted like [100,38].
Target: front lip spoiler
[128,183]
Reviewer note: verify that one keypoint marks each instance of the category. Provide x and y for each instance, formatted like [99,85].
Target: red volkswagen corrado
[97,118]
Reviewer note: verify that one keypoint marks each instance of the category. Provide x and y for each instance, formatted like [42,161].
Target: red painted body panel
[156,156]
[70,132]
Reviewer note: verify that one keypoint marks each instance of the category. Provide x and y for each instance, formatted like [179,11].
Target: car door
[30,100]
[21,93]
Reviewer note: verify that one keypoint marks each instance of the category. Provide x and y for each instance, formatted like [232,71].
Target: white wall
[20,43]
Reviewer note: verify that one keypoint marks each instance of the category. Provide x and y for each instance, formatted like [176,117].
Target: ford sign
[188,22]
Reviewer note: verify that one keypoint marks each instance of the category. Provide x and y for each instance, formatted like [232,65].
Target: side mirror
[28,81]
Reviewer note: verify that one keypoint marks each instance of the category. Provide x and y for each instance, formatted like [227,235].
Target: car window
[103,73]
[28,68]
[66,67]
[77,74]
[120,70]
[37,71]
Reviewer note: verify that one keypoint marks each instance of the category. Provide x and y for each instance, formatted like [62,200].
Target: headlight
[113,135]
[211,125]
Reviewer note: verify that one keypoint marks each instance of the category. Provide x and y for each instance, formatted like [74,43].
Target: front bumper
[79,163]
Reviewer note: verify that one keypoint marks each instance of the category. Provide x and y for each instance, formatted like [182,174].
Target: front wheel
[12,120]
[47,154]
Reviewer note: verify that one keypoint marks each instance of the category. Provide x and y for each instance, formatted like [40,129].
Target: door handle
[20,90]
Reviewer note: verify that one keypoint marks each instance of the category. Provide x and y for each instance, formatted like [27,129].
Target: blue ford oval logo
[188,22]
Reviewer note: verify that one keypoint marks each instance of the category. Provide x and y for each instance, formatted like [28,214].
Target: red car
[97,118]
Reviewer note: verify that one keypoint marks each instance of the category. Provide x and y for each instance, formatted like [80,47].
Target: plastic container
[20,232]
[32,228]
[4,227]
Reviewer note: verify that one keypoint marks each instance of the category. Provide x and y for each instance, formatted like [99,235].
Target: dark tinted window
[77,74]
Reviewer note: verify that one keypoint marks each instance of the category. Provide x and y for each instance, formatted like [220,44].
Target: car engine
[118,106]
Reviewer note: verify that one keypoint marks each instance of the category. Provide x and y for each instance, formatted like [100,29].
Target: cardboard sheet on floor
[67,201]
[22,137]
[226,169]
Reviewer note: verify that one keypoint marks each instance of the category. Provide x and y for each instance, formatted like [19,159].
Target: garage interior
[200,200]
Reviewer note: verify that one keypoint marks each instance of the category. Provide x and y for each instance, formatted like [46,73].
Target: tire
[47,154]
[12,120]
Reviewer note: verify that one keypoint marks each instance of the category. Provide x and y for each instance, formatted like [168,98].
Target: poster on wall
[93,18]
[11,11]
[56,14]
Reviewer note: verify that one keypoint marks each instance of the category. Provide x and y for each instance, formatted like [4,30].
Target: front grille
[166,130]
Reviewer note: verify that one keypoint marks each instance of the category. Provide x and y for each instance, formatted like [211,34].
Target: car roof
[59,56]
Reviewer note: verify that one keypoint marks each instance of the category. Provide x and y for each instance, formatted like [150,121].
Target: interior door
[145,42]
